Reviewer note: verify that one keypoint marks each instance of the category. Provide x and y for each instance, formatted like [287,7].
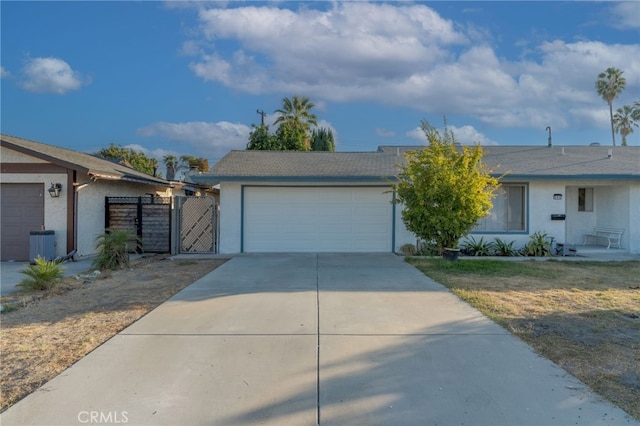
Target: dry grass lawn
[584,316]
[47,333]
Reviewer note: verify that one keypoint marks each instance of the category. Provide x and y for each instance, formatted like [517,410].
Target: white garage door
[317,219]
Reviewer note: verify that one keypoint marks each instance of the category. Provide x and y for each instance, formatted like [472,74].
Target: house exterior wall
[231,210]
[55,209]
[91,208]
[616,205]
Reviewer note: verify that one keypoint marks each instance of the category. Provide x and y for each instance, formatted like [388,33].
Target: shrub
[408,250]
[44,275]
[428,248]
[478,248]
[113,249]
[538,245]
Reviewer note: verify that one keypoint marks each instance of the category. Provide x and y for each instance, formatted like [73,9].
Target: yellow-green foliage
[44,275]
[444,188]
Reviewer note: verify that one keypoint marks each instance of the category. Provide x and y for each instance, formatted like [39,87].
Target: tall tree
[137,159]
[261,139]
[636,111]
[297,112]
[189,162]
[322,140]
[296,115]
[624,120]
[444,190]
[609,85]
[292,137]
[171,163]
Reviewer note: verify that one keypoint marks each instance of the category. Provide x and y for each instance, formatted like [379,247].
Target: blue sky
[188,77]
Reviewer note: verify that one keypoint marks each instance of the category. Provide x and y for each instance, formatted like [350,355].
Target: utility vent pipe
[609,153]
[548,129]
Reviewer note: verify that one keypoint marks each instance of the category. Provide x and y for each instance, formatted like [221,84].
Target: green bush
[538,245]
[113,249]
[44,275]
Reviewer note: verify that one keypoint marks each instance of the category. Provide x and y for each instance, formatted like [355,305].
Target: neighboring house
[283,201]
[77,215]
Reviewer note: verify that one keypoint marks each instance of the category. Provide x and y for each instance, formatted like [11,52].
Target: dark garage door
[22,212]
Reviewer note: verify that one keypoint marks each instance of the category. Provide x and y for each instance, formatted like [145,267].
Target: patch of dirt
[45,333]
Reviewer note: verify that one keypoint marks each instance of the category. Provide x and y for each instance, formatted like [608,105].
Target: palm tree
[635,114]
[171,161]
[624,120]
[296,112]
[609,85]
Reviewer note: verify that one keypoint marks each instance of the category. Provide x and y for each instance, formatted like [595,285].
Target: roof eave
[215,179]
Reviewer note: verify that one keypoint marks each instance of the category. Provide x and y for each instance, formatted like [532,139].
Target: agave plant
[479,247]
[504,248]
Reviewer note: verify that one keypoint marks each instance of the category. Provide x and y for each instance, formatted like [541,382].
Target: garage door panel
[317,219]
[22,207]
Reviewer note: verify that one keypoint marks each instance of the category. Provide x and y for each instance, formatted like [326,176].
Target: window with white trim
[509,211]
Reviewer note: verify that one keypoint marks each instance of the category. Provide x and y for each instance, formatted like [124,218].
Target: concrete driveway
[309,339]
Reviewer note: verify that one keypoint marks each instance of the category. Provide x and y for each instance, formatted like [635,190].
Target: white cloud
[4,73]
[51,75]
[407,55]
[203,139]
[466,135]
[625,15]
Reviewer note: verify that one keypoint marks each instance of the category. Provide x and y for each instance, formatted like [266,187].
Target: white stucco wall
[617,204]
[91,208]
[231,212]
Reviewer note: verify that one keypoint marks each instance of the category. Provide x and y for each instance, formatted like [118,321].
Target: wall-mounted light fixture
[557,196]
[55,189]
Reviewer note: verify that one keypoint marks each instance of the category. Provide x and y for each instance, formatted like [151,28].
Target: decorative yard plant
[43,275]
[113,249]
[538,245]
[444,188]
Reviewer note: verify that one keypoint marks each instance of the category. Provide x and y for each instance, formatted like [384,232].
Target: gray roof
[246,165]
[94,167]
[530,162]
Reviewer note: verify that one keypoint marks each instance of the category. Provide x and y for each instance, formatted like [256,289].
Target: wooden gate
[198,224]
[147,217]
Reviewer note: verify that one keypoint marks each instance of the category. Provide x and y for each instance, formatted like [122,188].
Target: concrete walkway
[307,339]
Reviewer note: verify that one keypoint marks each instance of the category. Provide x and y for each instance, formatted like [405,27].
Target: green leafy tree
[624,121]
[261,139]
[137,159]
[609,85]
[444,189]
[188,162]
[322,140]
[291,137]
[295,120]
